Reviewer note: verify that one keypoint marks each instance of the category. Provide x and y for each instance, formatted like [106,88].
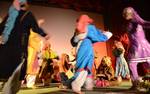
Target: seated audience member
[49,59]
[105,72]
[66,70]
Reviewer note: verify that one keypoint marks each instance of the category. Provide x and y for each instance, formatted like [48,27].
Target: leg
[89,83]
[134,72]
[79,81]
[13,84]
[134,75]
[30,81]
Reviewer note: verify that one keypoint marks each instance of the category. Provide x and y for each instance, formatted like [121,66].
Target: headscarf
[82,23]
[10,22]
[136,16]
[85,19]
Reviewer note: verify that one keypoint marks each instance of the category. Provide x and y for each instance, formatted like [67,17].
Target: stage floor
[123,88]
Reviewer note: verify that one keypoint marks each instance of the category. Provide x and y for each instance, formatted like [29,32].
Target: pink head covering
[85,19]
[82,23]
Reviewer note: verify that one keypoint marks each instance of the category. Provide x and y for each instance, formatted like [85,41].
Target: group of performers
[16,27]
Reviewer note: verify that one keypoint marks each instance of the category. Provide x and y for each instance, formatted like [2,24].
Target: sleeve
[54,55]
[34,25]
[146,25]
[96,35]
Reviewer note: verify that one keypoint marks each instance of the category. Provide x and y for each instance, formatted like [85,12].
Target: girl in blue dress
[86,34]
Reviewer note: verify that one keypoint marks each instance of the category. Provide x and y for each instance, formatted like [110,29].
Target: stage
[123,88]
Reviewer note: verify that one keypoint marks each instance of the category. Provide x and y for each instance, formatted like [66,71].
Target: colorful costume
[85,57]
[139,50]
[34,45]
[121,64]
[105,73]
[33,49]
[46,68]
[15,31]
[17,44]
[105,70]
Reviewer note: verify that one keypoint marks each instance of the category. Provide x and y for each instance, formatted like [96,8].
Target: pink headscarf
[83,22]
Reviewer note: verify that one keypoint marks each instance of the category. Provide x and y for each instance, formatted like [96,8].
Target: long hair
[136,16]
[65,61]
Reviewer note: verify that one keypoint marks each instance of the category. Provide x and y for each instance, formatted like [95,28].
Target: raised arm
[96,35]
[146,25]
[34,25]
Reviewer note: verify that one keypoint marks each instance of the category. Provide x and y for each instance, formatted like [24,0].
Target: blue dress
[85,53]
[121,64]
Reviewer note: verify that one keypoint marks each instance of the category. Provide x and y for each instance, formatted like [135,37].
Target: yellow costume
[33,47]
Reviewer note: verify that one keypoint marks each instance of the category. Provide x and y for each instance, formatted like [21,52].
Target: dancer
[34,47]
[122,70]
[139,50]
[85,35]
[14,43]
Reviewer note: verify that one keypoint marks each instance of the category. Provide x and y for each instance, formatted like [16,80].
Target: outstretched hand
[108,34]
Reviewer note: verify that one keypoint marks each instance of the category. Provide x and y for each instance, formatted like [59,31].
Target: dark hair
[22,5]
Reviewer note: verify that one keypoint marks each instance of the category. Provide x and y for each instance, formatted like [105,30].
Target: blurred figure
[66,70]
[34,47]
[85,35]
[139,50]
[56,75]
[49,61]
[14,36]
[105,69]
[105,72]
[122,70]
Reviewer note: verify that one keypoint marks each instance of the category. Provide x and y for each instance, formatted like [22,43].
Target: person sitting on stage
[49,61]
[105,72]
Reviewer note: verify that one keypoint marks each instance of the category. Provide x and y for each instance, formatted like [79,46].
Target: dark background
[111,9]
